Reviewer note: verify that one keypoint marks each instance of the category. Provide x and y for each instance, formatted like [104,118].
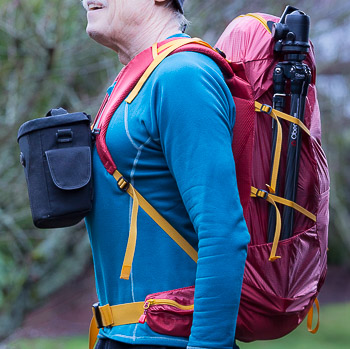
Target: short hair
[180,17]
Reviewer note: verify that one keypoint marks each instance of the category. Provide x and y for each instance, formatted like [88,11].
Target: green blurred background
[46,61]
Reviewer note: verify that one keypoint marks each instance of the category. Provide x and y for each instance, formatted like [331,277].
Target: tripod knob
[279,31]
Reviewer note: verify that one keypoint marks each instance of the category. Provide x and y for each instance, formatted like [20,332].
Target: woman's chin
[95,32]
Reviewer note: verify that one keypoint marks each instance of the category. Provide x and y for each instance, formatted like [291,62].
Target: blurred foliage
[47,60]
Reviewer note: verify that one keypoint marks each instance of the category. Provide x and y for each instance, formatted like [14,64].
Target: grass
[79,342]
[334,333]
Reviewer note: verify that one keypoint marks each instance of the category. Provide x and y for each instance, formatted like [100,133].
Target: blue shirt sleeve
[195,116]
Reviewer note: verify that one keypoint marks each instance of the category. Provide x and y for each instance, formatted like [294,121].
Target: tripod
[292,33]
[299,75]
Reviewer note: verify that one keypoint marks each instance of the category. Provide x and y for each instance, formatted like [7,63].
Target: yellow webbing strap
[268,197]
[139,200]
[262,20]
[130,248]
[154,51]
[293,205]
[158,58]
[278,148]
[273,199]
[310,316]
[93,333]
[275,114]
[266,109]
[116,315]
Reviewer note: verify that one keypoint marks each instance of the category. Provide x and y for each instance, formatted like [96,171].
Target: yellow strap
[310,316]
[272,199]
[116,315]
[171,43]
[139,200]
[93,333]
[157,60]
[294,205]
[130,248]
[269,110]
[262,20]
[275,114]
[155,50]
[165,46]
[278,149]
[265,195]
[122,314]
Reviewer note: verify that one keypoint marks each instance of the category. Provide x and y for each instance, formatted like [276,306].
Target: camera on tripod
[292,32]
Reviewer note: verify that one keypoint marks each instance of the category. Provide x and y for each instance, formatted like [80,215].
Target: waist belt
[116,315]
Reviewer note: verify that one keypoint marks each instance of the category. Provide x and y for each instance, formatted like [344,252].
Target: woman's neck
[148,32]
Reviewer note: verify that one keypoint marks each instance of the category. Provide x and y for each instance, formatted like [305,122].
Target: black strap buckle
[97,315]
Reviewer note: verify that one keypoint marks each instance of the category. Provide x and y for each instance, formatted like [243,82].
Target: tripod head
[292,34]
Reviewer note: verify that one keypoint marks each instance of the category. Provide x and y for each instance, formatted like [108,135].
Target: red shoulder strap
[125,82]
[127,79]
[136,73]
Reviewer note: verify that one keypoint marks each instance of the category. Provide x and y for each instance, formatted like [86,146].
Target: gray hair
[178,16]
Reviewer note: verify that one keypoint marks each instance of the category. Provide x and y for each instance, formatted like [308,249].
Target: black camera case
[56,156]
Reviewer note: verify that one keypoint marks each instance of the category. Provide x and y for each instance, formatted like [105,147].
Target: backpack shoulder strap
[129,83]
[162,51]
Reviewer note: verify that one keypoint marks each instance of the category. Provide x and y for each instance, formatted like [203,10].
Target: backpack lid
[247,41]
[52,121]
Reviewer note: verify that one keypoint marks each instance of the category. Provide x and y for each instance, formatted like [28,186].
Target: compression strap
[276,115]
[273,199]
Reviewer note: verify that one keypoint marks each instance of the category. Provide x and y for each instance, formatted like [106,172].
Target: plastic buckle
[266,194]
[269,109]
[221,53]
[97,315]
[123,184]
[95,132]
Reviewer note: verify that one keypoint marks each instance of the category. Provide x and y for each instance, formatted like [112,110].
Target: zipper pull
[142,318]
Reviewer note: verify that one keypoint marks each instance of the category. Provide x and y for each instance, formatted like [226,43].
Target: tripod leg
[299,88]
[278,104]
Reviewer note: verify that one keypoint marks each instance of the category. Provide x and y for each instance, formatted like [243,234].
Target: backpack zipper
[170,302]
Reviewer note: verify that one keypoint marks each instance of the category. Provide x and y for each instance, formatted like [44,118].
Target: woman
[173,144]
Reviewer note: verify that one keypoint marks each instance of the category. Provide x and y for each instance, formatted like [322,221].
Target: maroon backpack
[282,278]
[277,295]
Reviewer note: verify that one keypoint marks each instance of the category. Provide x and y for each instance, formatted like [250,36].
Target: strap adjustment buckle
[262,194]
[265,108]
[123,184]
[97,315]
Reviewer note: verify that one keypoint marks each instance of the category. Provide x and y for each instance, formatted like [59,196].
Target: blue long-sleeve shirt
[173,143]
